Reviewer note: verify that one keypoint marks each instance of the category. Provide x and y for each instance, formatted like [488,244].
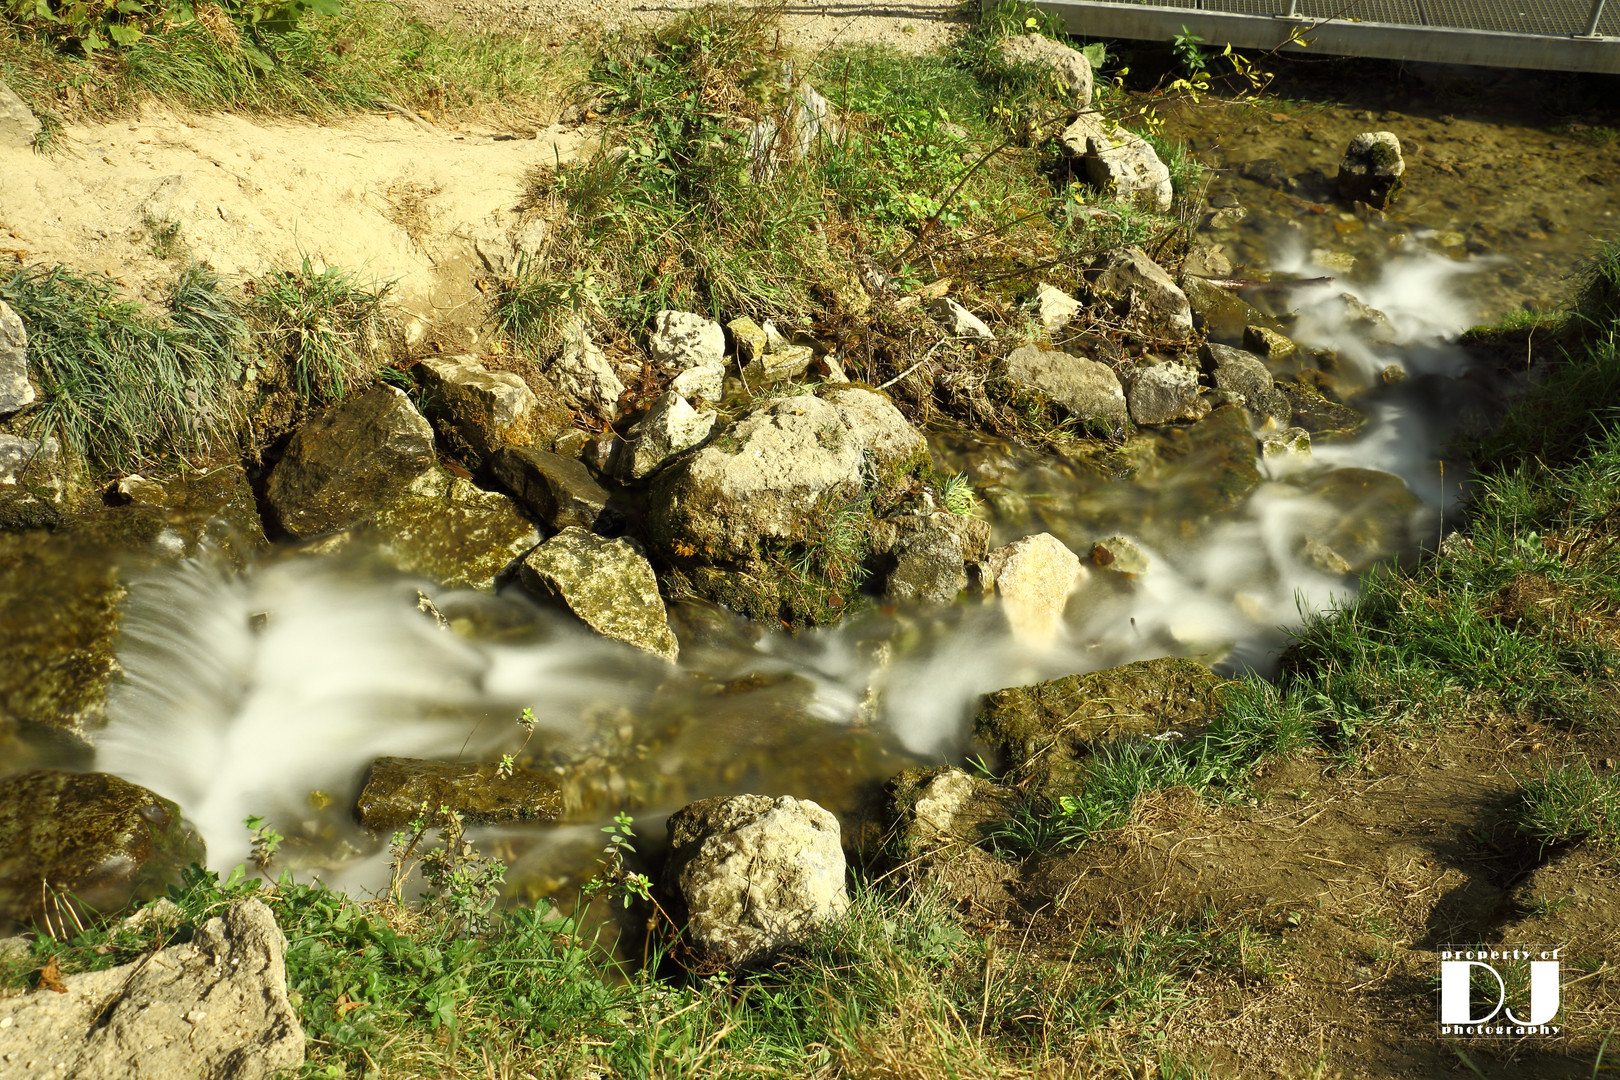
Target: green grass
[324,327]
[1567,803]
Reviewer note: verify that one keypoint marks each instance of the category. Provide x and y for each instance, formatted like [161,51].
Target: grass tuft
[1568,803]
[324,326]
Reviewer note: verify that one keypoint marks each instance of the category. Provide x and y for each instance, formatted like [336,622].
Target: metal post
[1592,23]
[1293,10]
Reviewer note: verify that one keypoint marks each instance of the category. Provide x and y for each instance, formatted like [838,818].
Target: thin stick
[915,366]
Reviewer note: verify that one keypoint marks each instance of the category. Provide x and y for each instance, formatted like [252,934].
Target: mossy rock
[176,515]
[400,790]
[1038,730]
[450,530]
[97,838]
[1320,415]
[1215,465]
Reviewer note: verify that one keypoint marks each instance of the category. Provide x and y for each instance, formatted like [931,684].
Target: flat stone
[607,583]
[1054,308]
[957,319]
[16,392]
[1087,389]
[1034,577]
[1139,289]
[1323,417]
[397,788]
[671,427]
[477,411]
[559,491]
[1165,394]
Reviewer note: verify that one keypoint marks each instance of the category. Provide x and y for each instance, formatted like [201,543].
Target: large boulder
[349,461]
[450,530]
[478,411]
[691,348]
[754,874]
[1371,169]
[1034,578]
[1070,66]
[1165,394]
[1246,375]
[583,373]
[759,480]
[1126,165]
[1138,289]
[1089,390]
[90,836]
[15,389]
[607,583]
[214,1008]
[559,491]
[671,427]
[397,788]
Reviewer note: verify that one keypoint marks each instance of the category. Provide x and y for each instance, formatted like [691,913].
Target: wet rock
[1318,556]
[1379,516]
[1220,314]
[1318,414]
[761,478]
[559,491]
[1288,444]
[957,319]
[583,373]
[607,583]
[18,124]
[1371,169]
[940,807]
[1139,289]
[33,483]
[973,533]
[754,874]
[1245,374]
[99,839]
[670,427]
[349,461]
[1206,260]
[1369,322]
[174,516]
[451,531]
[1054,308]
[1119,554]
[1214,466]
[1072,69]
[1034,577]
[15,389]
[928,569]
[1041,730]
[693,349]
[214,1008]
[1087,389]
[1165,394]
[398,789]
[1268,172]
[478,411]
[1126,165]
[1268,343]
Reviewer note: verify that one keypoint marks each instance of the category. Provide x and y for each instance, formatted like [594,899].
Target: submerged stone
[173,516]
[1379,516]
[607,583]
[93,837]
[450,530]
[400,790]
[1318,414]
[1119,554]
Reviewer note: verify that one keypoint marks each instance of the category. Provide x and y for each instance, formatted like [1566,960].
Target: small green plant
[466,884]
[526,721]
[1566,804]
[324,325]
[956,495]
[1188,51]
[266,842]
[614,878]
[164,234]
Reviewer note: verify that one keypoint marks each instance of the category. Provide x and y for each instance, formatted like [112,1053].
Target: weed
[1567,803]
[1187,48]
[167,243]
[323,325]
[956,495]
[266,842]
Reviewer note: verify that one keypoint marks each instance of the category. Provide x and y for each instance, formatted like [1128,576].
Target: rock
[1034,577]
[1120,555]
[1371,169]
[478,410]
[1075,139]
[1071,67]
[1220,314]
[670,427]
[1268,343]
[1318,556]
[1207,261]
[349,461]
[1087,389]
[1164,394]
[1378,516]
[1039,731]
[97,838]
[582,373]
[933,808]
[754,874]
[214,1008]
[177,515]
[449,530]
[973,533]
[749,339]
[803,120]
[1245,374]
[1318,414]
[779,361]
[396,790]
[33,483]
[1369,322]
[15,389]
[1212,467]
[559,491]
[1124,164]
[1054,308]
[694,349]
[607,583]
[1268,172]
[1288,444]
[957,319]
[928,569]
[1139,289]
[759,480]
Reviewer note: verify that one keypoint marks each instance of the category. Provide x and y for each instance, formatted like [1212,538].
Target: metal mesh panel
[1555,17]
[1386,11]
[1513,16]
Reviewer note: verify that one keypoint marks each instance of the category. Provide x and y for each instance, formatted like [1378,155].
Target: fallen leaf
[50,977]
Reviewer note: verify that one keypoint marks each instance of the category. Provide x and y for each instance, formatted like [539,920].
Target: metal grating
[1560,18]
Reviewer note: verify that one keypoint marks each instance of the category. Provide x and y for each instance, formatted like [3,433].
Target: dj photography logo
[1500,992]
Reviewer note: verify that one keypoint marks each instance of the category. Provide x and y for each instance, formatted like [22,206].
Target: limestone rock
[396,788]
[1075,139]
[1164,394]
[1054,308]
[1268,343]
[607,583]
[803,119]
[93,836]
[670,427]
[1320,415]
[754,874]
[957,319]
[929,568]
[478,410]
[15,389]
[1088,389]
[349,461]
[582,372]
[1119,554]
[1034,577]
[1072,68]
[1371,169]
[214,1008]
[559,491]
[693,349]
[942,807]
[972,533]
[748,337]
[1245,374]
[449,530]
[18,124]
[33,484]
[1206,260]
[1288,444]
[1126,165]
[1318,556]
[175,516]
[1138,288]
[1220,314]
